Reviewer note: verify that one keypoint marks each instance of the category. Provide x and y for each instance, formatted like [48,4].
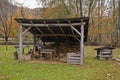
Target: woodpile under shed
[62,48]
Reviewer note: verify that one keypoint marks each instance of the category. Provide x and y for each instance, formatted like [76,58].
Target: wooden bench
[104,52]
[47,52]
[24,46]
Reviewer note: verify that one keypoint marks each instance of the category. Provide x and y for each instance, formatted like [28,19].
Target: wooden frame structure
[50,30]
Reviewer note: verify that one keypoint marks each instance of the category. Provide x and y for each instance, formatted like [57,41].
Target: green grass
[92,69]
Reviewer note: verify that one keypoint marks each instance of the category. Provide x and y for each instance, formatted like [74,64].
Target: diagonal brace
[26,30]
[76,30]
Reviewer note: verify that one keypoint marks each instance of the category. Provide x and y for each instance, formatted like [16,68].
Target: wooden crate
[105,53]
[73,58]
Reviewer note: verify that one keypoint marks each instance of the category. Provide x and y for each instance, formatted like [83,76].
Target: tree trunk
[112,36]
[119,16]
[118,27]
[6,43]
[99,18]
[81,11]
[65,7]
[77,7]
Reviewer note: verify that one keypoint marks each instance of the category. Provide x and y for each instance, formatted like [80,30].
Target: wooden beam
[62,31]
[50,30]
[56,35]
[82,45]
[72,29]
[53,25]
[78,39]
[75,30]
[73,33]
[26,30]
[20,45]
[39,30]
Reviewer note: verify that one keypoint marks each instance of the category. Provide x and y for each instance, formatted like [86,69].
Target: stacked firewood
[62,48]
[65,48]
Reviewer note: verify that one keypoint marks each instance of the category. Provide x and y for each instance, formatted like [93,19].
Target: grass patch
[92,69]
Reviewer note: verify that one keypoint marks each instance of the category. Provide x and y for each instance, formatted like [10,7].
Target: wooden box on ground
[104,52]
[73,58]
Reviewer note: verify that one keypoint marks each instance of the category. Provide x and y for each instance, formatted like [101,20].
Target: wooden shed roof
[50,30]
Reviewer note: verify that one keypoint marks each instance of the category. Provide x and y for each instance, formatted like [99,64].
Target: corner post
[20,45]
[82,44]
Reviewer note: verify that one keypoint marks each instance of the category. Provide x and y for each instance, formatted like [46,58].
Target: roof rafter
[72,29]
[62,30]
[50,30]
[39,30]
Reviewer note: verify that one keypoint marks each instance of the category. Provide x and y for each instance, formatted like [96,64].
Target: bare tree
[117,29]
[119,14]
[6,12]
[65,7]
[81,9]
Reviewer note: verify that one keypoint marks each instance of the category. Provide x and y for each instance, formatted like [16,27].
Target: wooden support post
[82,45]
[35,41]
[20,45]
